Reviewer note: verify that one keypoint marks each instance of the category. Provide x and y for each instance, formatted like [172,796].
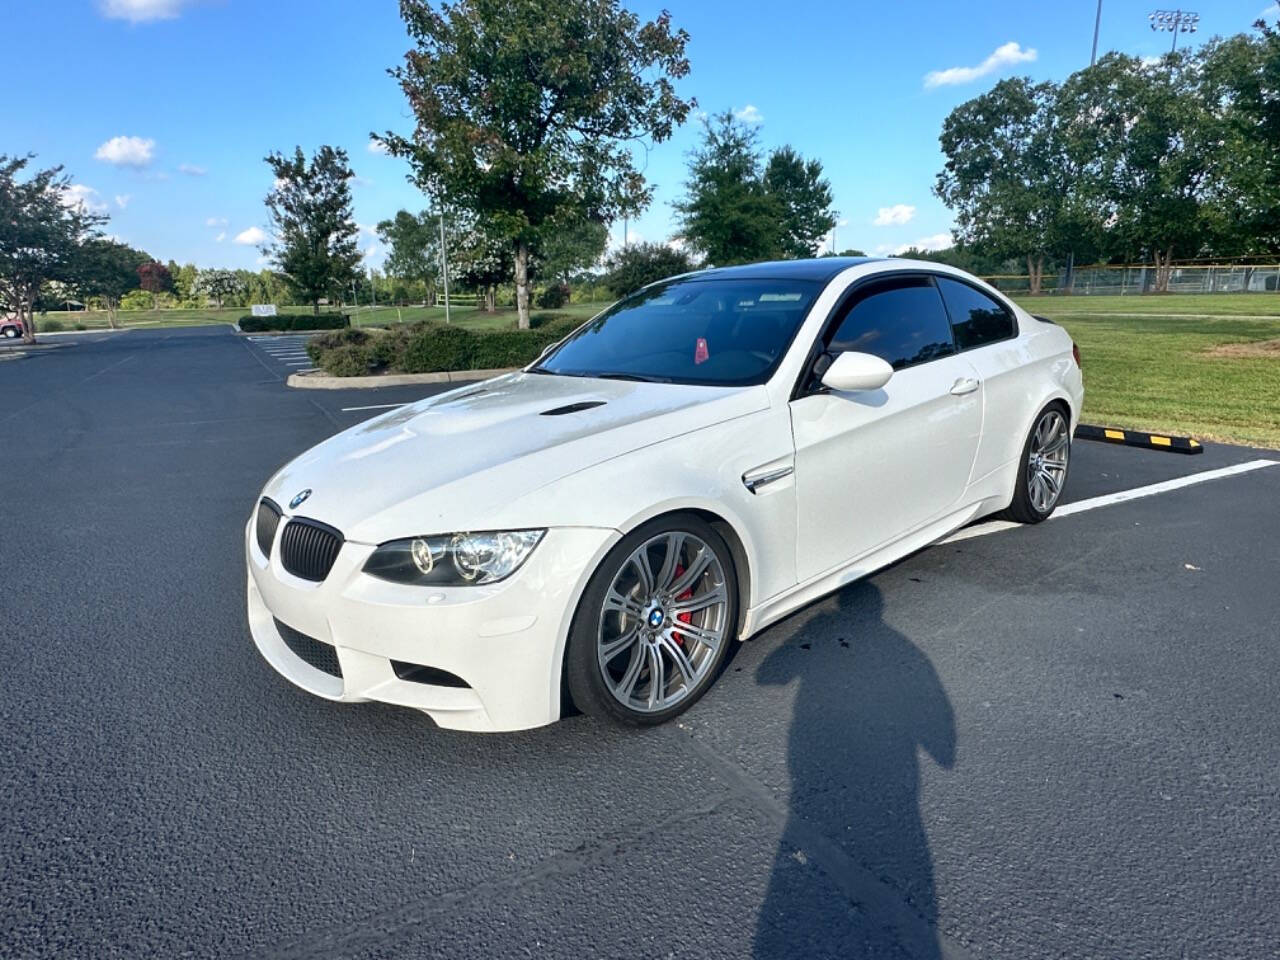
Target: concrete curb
[316,381]
[1139,438]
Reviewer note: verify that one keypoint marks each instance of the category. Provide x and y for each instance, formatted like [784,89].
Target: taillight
[1075,352]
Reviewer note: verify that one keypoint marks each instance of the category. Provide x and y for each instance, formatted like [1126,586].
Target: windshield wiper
[638,378]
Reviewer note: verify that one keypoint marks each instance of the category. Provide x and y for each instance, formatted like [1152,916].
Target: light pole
[444,265]
[1175,21]
[1097,22]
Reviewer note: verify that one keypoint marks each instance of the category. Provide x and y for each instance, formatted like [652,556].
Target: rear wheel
[655,623]
[10,333]
[1042,474]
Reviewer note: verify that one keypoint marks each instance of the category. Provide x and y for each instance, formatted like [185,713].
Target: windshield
[722,332]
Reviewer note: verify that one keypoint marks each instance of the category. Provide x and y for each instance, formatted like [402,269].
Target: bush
[81,325]
[295,321]
[432,347]
[51,326]
[554,297]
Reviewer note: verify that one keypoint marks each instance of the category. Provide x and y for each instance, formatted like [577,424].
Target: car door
[871,466]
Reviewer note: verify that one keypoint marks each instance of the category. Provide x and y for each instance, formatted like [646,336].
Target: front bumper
[504,642]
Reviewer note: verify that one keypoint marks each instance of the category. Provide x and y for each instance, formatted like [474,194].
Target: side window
[903,322]
[976,318]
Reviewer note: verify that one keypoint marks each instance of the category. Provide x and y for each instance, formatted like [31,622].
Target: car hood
[453,461]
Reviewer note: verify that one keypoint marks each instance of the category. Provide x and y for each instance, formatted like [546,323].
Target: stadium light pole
[1175,21]
[1097,22]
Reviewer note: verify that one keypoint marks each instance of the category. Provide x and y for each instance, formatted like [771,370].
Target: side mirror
[852,371]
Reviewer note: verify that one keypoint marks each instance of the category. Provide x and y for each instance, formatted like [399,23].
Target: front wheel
[10,333]
[654,624]
[1042,471]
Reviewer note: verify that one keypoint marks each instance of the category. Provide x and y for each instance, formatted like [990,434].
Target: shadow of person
[868,700]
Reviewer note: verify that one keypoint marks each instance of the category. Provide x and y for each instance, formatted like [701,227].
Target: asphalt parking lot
[1057,741]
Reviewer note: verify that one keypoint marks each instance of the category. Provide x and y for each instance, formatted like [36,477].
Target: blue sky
[162,110]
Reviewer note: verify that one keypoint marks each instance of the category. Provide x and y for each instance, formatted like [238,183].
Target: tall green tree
[726,214]
[798,188]
[40,235]
[1147,137]
[738,207]
[315,230]
[413,246]
[107,270]
[527,112]
[1017,190]
[576,247]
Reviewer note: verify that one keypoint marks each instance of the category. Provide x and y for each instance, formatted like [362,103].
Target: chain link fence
[1118,281]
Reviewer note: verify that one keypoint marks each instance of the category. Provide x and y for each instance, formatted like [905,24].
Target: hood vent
[461,396]
[573,408]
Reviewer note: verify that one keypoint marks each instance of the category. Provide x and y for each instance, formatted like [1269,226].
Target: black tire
[1024,508]
[584,670]
[10,333]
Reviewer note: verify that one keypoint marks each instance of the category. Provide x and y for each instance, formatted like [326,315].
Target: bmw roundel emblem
[655,618]
[297,501]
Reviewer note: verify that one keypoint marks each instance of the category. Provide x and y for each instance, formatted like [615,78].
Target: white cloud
[191,170]
[142,11]
[368,229]
[1003,56]
[263,260]
[126,151]
[253,237]
[216,222]
[842,222]
[122,200]
[938,241]
[372,251]
[1271,11]
[377,146]
[86,198]
[896,215]
[1153,60]
[749,114]
[220,237]
[359,181]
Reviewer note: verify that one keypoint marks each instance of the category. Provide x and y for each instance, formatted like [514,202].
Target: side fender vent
[573,408]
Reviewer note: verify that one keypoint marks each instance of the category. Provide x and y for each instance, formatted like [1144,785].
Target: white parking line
[1122,496]
[373,406]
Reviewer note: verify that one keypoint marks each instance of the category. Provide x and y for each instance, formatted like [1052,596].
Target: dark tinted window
[690,331]
[975,317]
[903,323]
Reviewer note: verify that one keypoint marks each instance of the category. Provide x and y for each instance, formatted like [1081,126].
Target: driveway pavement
[1056,741]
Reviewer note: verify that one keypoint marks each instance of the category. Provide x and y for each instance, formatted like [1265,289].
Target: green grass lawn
[1204,365]
[467,316]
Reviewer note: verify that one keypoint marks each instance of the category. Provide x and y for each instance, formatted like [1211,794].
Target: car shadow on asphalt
[868,702]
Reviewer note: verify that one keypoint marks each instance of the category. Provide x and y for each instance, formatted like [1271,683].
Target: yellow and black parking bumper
[1137,438]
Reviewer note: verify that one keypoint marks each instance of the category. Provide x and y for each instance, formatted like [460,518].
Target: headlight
[454,559]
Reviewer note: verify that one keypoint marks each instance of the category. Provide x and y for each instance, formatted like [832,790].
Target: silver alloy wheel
[1047,460]
[663,619]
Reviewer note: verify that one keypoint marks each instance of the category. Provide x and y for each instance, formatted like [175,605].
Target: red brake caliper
[687,595]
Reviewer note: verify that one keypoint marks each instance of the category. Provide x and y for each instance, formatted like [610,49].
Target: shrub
[51,326]
[348,360]
[432,347]
[295,321]
[81,325]
[554,297]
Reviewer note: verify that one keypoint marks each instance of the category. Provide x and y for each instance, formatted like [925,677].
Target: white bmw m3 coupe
[688,467]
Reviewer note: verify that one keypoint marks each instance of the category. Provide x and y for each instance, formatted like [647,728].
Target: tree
[155,278]
[107,270]
[726,214]
[527,111]
[1017,189]
[315,230]
[218,285]
[1241,74]
[797,186]
[738,208]
[637,265]
[576,247]
[1146,139]
[39,235]
[413,242]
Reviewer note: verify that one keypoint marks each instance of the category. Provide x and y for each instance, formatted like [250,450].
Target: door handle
[964,385]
